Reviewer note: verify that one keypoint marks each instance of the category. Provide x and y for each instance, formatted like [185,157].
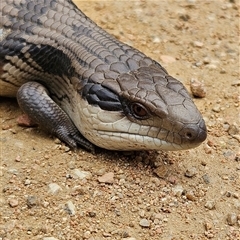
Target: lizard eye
[139,111]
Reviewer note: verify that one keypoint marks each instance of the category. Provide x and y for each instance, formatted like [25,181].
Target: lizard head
[144,109]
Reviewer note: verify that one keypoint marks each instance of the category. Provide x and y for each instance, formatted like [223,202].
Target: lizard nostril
[194,133]
[189,135]
[190,132]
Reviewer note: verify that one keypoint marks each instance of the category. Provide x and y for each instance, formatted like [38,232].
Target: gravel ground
[51,193]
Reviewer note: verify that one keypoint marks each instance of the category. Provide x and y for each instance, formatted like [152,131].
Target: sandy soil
[49,192]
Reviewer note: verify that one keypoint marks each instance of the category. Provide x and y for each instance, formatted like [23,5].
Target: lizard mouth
[189,137]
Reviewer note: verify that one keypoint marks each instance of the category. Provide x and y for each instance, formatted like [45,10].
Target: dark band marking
[98,95]
[51,60]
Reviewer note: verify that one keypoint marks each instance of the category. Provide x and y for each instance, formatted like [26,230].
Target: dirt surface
[49,192]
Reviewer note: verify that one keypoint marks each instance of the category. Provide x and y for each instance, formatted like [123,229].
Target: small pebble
[216,108]
[225,177]
[156,40]
[76,173]
[233,129]
[25,121]
[198,64]
[184,17]
[235,195]
[157,216]
[231,219]
[101,171]
[162,171]
[223,71]
[106,178]
[209,234]
[206,60]
[210,143]
[6,127]
[142,213]
[70,208]
[13,202]
[178,190]
[125,235]
[32,201]
[105,234]
[13,171]
[144,223]
[87,235]
[92,214]
[226,127]
[228,194]
[198,89]
[208,226]
[190,172]
[27,182]
[57,141]
[167,59]
[206,178]
[198,44]
[210,205]
[212,66]
[12,130]
[18,159]
[203,162]
[54,188]
[172,179]
[66,149]
[9,227]
[207,149]
[190,196]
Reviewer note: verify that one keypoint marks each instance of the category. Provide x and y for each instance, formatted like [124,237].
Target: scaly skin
[86,86]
